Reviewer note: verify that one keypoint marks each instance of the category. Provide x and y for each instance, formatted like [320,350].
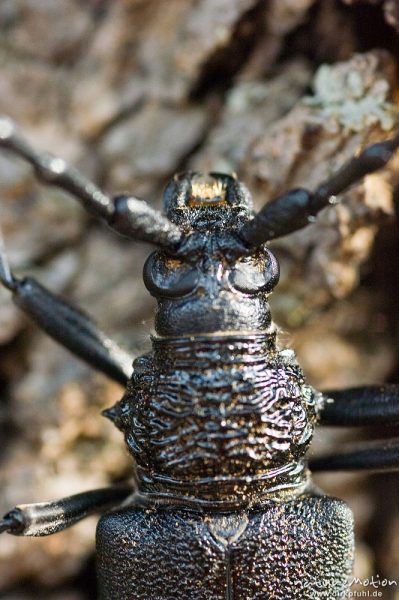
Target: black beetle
[217,417]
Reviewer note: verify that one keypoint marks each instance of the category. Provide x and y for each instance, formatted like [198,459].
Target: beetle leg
[127,215]
[361,406]
[67,324]
[298,207]
[47,518]
[375,456]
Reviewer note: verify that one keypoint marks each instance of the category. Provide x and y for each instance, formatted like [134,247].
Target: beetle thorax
[219,419]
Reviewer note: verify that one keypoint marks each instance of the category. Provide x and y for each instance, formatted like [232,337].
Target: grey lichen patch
[355,93]
[302,149]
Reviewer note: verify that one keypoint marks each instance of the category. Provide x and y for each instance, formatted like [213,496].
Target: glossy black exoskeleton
[217,417]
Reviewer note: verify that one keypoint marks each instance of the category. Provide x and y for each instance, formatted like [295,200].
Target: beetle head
[206,202]
[211,293]
[212,282]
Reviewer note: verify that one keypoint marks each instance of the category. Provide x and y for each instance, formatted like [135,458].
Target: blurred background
[281,92]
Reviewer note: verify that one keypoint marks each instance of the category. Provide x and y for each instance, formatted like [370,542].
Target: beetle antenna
[6,277]
[126,214]
[297,208]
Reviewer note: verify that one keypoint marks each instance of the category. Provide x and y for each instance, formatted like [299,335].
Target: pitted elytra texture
[298,550]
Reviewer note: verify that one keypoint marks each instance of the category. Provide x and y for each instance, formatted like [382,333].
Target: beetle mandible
[217,417]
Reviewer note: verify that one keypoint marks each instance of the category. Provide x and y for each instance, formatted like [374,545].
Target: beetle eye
[251,277]
[169,277]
